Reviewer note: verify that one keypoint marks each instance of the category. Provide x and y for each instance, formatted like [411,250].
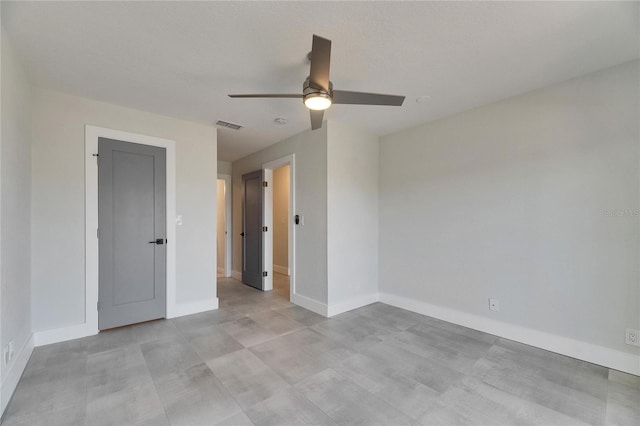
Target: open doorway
[223,239]
[281,218]
[278,250]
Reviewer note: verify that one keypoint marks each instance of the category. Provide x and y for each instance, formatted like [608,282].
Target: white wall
[352,218]
[281,218]
[310,149]
[224,168]
[336,190]
[15,202]
[533,200]
[58,201]
[220,240]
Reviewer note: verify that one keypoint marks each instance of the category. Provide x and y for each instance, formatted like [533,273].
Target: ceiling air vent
[231,126]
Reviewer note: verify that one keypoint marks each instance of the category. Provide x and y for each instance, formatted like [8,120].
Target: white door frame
[92,134]
[227,223]
[267,220]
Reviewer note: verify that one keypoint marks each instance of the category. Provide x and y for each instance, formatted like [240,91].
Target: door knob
[157,241]
[242,234]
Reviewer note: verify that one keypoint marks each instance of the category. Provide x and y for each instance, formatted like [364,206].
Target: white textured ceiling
[182,58]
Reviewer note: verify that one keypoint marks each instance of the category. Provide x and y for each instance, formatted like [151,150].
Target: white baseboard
[617,360]
[194,307]
[310,304]
[348,305]
[63,334]
[237,275]
[281,269]
[12,377]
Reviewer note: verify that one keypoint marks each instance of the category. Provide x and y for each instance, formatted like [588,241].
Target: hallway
[281,285]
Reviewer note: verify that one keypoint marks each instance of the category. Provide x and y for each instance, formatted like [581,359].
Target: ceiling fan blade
[320,60]
[363,98]
[268,95]
[316,118]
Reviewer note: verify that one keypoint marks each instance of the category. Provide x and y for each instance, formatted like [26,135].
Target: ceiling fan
[317,90]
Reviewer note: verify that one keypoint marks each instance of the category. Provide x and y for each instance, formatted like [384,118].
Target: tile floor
[261,360]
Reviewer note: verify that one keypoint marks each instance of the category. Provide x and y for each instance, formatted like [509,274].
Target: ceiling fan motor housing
[308,90]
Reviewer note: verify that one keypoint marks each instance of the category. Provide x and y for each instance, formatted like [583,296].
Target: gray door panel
[252,229]
[131,214]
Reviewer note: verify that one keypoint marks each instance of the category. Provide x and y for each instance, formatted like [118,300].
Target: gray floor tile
[287,408]
[171,355]
[625,379]
[276,322]
[111,339]
[195,397]
[459,330]
[301,354]
[55,389]
[116,370]
[212,341]
[547,386]
[247,378]
[248,332]
[205,319]
[623,400]
[301,315]
[391,385]
[473,402]
[70,416]
[544,365]
[423,370]
[353,331]
[49,356]
[137,405]
[388,317]
[276,303]
[154,330]
[74,367]
[252,304]
[347,403]
[240,419]
[452,350]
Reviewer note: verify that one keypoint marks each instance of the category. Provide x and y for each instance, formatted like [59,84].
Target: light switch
[179,220]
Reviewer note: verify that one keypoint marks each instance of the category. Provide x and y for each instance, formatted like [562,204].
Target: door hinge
[264,273]
[98,233]
[96,155]
[98,305]
[265,183]
[265,229]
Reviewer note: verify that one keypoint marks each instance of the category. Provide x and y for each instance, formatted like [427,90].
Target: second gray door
[252,229]
[132,232]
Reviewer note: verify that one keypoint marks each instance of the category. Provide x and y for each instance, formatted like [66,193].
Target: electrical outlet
[11,353]
[494,305]
[632,337]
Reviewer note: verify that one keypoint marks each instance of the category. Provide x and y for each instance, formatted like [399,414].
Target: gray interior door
[132,232]
[252,229]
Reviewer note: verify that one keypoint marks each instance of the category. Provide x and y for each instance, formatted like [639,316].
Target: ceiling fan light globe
[317,101]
